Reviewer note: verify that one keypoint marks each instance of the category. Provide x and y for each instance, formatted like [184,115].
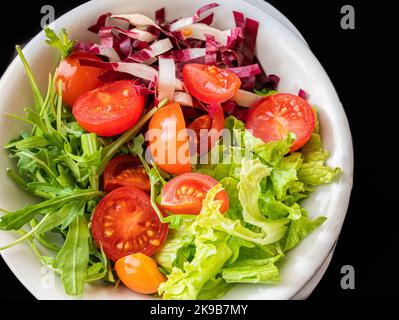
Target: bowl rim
[349,184]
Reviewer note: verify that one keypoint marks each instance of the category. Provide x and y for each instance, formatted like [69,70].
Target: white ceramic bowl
[280,51]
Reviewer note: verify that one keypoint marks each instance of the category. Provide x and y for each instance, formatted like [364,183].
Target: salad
[165,159]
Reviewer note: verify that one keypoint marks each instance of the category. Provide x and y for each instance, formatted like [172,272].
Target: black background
[359,63]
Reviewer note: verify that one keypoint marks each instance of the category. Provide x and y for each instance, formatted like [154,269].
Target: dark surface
[356,61]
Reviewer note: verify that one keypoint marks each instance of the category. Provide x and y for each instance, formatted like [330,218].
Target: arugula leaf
[36,92]
[73,258]
[61,42]
[15,220]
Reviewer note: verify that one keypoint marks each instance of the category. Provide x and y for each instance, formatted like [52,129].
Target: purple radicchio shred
[183,55]
[160,16]
[125,47]
[228,58]
[87,47]
[212,48]
[191,113]
[241,113]
[153,30]
[247,71]
[248,83]
[101,21]
[207,20]
[239,19]
[270,81]
[106,37]
[229,106]
[213,108]
[250,34]
[110,75]
[302,94]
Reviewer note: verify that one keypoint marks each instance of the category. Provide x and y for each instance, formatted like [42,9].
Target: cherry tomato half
[210,84]
[125,171]
[124,222]
[168,140]
[77,79]
[184,194]
[207,131]
[139,273]
[279,114]
[110,109]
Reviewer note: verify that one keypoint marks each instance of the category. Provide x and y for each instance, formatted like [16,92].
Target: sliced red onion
[247,71]
[166,79]
[183,98]
[184,22]
[246,98]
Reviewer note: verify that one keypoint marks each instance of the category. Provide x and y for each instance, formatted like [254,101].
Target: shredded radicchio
[302,93]
[133,52]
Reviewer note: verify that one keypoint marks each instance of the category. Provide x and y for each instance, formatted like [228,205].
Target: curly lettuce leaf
[299,229]
[251,175]
[253,271]
[176,248]
[211,253]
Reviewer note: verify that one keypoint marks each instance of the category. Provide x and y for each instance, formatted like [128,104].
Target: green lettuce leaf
[175,247]
[211,253]
[299,229]
[253,271]
[252,173]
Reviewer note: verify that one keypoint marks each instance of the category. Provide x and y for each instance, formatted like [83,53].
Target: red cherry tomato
[125,171]
[139,273]
[279,114]
[207,131]
[184,194]
[124,222]
[110,109]
[168,140]
[210,84]
[77,79]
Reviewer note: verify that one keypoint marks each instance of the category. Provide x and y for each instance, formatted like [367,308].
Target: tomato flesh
[125,171]
[279,114]
[185,193]
[110,109]
[124,222]
[207,131]
[210,84]
[77,79]
[139,273]
[168,140]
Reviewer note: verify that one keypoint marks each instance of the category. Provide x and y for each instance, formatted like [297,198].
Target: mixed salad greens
[181,224]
